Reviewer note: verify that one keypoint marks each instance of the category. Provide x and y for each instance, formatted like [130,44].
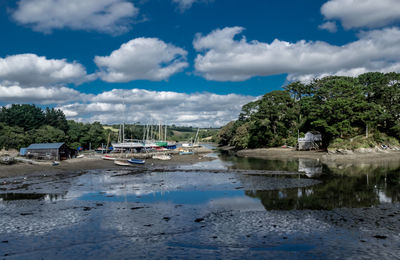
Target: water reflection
[247,163]
[317,186]
[311,168]
[29,196]
[342,185]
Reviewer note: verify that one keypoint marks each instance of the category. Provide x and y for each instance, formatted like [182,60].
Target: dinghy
[107,157]
[121,163]
[162,157]
[136,161]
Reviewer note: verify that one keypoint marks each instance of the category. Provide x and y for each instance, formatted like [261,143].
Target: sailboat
[194,143]
[126,144]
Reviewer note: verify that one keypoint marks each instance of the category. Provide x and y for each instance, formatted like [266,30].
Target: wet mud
[209,210]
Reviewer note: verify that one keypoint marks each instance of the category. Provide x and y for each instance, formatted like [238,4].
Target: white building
[311,141]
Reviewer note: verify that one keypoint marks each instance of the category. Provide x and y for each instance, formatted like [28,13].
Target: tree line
[364,108]
[22,125]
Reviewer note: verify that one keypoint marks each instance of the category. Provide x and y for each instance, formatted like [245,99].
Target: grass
[361,141]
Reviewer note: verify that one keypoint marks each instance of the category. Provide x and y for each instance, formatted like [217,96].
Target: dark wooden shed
[49,151]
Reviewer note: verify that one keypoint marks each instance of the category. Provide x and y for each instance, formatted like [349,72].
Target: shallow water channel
[230,208]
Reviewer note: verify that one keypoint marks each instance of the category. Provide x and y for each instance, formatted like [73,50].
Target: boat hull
[136,161]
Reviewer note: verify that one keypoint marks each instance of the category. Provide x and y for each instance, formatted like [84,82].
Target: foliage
[340,108]
[226,134]
[12,136]
[22,125]
[31,117]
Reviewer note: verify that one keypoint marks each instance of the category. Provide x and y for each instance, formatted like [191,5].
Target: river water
[231,208]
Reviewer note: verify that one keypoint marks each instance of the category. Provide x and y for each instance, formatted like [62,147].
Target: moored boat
[55,163]
[162,157]
[121,163]
[185,152]
[107,157]
[136,161]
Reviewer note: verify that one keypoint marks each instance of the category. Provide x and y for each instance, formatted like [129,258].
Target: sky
[183,62]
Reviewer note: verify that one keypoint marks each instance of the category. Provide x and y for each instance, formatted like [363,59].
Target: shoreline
[323,156]
[95,162]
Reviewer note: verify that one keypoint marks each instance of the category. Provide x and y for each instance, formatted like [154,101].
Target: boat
[162,157]
[107,157]
[162,143]
[136,161]
[80,156]
[193,143]
[185,152]
[121,163]
[55,163]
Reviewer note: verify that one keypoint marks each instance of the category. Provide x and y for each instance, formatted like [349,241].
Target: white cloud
[31,70]
[329,26]
[227,59]
[39,95]
[362,13]
[184,5]
[138,105]
[142,59]
[109,16]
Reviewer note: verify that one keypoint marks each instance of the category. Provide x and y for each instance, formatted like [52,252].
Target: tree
[338,107]
[226,133]
[12,137]
[275,120]
[56,118]
[25,116]
[48,134]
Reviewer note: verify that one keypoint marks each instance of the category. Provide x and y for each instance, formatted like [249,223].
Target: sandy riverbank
[285,153]
[90,163]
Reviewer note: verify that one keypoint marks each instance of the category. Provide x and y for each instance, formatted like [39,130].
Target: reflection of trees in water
[336,191]
[343,185]
[260,164]
[30,196]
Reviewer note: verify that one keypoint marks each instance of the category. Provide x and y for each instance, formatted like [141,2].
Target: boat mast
[197,136]
[165,133]
[147,132]
[123,122]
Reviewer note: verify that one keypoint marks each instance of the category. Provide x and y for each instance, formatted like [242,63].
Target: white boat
[127,145]
[80,156]
[162,157]
[107,157]
[185,152]
[194,143]
[121,163]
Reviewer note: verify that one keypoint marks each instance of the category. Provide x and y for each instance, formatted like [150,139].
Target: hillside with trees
[22,125]
[349,112]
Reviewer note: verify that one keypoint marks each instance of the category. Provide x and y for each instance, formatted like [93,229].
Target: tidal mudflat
[231,208]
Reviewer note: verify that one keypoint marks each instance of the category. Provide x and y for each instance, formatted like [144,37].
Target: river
[230,208]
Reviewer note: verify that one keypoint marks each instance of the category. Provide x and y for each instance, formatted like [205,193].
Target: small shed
[22,151]
[49,151]
[311,141]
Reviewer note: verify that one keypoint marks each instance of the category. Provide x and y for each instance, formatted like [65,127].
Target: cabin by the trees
[311,141]
[49,151]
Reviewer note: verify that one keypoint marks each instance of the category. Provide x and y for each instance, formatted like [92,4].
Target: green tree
[226,133]
[12,137]
[25,116]
[56,118]
[48,134]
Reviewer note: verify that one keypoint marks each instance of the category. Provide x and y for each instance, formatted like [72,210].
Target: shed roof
[45,146]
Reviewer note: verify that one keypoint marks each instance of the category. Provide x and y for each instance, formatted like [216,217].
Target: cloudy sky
[184,62]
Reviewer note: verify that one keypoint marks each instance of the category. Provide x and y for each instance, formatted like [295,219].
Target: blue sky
[185,62]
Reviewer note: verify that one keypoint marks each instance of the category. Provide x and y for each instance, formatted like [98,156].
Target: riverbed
[226,207]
